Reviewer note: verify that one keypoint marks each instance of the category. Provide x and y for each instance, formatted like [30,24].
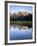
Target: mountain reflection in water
[17,33]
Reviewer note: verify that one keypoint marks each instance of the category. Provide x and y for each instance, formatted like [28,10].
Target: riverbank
[21,23]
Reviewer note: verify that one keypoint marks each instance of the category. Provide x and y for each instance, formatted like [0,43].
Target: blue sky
[14,8]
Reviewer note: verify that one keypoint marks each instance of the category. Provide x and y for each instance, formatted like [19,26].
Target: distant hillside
[21,16]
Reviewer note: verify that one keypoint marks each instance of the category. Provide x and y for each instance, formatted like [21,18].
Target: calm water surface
[20,34]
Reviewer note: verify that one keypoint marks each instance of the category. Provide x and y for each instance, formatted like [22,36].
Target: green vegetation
[21,22]
[21,18]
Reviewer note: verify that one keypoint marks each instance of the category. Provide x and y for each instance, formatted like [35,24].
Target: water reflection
[20,33]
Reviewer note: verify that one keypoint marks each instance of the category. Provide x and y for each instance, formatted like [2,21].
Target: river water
[20,34]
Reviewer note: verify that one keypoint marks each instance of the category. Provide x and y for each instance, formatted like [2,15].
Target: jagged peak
[21,13]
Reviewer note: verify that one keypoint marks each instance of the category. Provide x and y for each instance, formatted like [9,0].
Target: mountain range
[21,16]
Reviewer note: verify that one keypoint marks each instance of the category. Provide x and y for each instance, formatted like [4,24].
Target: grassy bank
[21,22]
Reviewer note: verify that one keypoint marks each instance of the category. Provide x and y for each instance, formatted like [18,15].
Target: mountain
[21,16]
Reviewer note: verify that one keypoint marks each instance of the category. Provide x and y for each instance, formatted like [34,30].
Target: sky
[14,8]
